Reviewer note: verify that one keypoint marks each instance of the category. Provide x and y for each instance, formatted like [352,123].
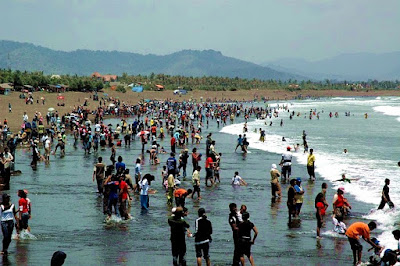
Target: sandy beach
[77,98]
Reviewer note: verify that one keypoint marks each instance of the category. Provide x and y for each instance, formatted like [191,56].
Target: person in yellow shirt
[311,165]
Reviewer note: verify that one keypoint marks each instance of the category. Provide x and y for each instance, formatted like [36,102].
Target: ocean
[67,213]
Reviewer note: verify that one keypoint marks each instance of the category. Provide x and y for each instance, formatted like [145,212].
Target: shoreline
[73,99]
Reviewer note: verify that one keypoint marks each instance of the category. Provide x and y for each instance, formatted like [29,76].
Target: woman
[291,203]
[320,212]
[23,212]
[112,183]
[8,214]
[340,204]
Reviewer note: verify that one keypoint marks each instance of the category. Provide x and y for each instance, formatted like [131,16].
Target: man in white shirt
[286,163]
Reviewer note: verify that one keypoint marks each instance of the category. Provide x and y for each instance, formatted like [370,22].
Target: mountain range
[30,57]
[351,66]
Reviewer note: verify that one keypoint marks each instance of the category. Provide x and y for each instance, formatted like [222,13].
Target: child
[340,226]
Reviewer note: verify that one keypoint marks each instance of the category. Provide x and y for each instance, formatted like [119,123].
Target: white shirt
[144,187]
[287,158]
[236,180]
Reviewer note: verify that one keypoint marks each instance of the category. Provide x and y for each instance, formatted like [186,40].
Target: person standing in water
[291,202]
[275,185]
[99,174]
[202,236]
[286,163]
[8,214]
[311,164]
[178,243]
[245,241]
[385,196]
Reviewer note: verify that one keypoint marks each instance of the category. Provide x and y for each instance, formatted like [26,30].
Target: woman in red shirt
[23,210]
[320,212]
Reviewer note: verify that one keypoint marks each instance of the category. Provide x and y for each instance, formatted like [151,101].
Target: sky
[252,30]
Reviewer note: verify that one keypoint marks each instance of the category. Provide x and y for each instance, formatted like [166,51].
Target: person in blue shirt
[171,165]
[240,142]
[120,166]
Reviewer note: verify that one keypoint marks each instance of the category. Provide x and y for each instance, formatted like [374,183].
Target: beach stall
[159,87]
[5,88]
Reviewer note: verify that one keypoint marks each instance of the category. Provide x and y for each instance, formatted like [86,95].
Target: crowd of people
[181,125]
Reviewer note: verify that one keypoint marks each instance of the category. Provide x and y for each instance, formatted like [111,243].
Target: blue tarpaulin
[137,89]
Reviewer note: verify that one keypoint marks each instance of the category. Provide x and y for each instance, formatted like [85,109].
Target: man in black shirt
[234,222]
[203,237]
[291,203]
[245,241]
[178,244]
[385,196]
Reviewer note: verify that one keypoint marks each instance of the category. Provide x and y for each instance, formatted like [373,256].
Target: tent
[137,89]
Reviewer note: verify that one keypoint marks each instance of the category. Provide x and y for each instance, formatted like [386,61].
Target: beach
[60,222]
[72,99]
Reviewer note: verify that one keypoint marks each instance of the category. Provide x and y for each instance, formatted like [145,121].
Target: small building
[5,88]
[109,78]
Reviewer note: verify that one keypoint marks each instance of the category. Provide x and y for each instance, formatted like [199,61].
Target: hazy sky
[254,30]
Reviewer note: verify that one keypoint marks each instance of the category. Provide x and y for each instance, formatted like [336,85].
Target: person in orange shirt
[180,195]
[354,232]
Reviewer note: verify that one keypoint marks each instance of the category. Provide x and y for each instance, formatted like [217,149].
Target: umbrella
[143,132]
[51,109]
[111,105]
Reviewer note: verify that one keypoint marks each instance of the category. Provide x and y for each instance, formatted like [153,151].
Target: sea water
[373,145]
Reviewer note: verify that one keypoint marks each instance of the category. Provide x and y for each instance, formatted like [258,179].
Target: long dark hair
[6,201]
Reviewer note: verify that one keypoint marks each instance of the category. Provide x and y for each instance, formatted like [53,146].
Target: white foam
[388,110]
[330,166]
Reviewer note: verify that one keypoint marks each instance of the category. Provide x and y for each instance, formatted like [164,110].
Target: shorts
[244,248]
[286,169]
[298,206]
[319,220]
[310,170]
[202,250]
[355,244]
[196,188]
[209,173]
[24,221]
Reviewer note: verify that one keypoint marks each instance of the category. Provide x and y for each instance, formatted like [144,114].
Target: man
[180,195]
[275,185]
[234,222]
[286,163]
[171,164]
[203,237]
[120,165]
[183,159]
[291,202]
[178,244]
[385,196]
[196,182]
[245,241]
[99,174]
[208,144]
[311,165]
[354,232]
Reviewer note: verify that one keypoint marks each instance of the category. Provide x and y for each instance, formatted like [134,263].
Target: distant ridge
[29,57]
[350,66]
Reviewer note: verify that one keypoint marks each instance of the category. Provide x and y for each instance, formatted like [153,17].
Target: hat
[341,189]
[298,179]
[288,148]
[273,166]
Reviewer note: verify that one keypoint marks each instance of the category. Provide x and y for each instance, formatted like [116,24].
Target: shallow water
[67,213]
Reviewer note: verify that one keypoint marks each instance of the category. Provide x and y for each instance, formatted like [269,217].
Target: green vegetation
[84,83]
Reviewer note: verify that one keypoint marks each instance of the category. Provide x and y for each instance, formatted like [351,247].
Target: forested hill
[26,56]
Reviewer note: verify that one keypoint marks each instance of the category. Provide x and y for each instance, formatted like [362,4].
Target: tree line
[84,83]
